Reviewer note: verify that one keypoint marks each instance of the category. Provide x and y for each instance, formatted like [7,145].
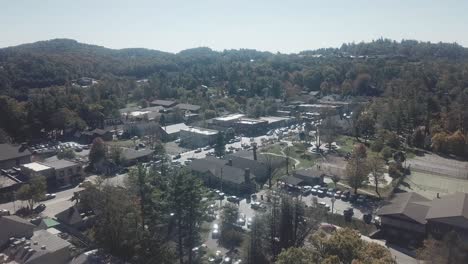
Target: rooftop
[450,207]
[189,107]
[229,117]
[131,154]
[411,205]
[219,169]
[8,151]
[35,166]
[200,130]
[318,105]
[250,121]
[176,128]
[60,164]
[165,103]
[273,119]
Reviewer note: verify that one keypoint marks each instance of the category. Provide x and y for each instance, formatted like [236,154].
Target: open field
[435,164]
[429,185]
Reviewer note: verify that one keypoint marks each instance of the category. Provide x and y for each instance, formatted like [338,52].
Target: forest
[417,89]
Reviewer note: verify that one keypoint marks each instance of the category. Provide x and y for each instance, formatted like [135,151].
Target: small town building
[250,126]
[196,137]
[219,174]
[13,226]
[163,103]
[59,173]
[42,247]
[14,155]
[172,132]
[133,156]
[413,217]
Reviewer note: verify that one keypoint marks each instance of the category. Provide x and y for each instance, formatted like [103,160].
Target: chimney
[247,175]
[230,162]
[254,146]
[438,196]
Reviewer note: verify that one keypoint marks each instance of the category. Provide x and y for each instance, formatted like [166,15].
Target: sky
[286,26]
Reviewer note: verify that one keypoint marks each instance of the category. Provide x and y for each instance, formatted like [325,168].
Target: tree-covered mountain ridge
[57,61]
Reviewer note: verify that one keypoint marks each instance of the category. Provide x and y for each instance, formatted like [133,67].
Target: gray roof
[411,205]
[310,173]
[8,152]
[131,154]
[176,128]
[218,168]
[12,226]
[450,206]
[189,107]
[69,216]
[291,180]
[59,164]
[165,103]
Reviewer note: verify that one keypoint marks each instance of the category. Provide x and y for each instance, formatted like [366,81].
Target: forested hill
[56,62]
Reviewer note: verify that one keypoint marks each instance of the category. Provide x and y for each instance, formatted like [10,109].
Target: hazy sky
[274,25]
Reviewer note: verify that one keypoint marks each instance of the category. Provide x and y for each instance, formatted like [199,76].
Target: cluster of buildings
[17,168]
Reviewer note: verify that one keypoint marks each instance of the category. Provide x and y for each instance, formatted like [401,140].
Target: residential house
[72,217]
[14,155]
[311,176]
[216,173]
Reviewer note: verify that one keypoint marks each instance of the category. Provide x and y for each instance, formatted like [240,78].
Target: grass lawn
[122,143]
[346,144]
[357,224]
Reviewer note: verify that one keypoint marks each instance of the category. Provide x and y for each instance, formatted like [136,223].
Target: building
[260,165]
[141,129]
[276,121]
[142,114]
[14,155]
[87,137]
[59,173]
[219,174]
[172,132]
[411,216]
[163,103]
[132,156]
[40,248]
[250,127]
[14,226]
[188,107]
[196,137]
[310,176]
[227,120]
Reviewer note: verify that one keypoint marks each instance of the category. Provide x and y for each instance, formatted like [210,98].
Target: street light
[333,204]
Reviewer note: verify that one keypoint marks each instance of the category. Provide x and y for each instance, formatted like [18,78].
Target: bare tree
[329,131]
[376,167]
[356,168]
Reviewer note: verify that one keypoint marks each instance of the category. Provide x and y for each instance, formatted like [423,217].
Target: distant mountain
[58,61]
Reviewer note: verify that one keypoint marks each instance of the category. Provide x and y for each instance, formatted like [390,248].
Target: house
[40,248]
[448,213]
[227,120]
[172,132]
[310,176]
[277,121]
[413,217]
[216,173]
[146,114]
[71,217]
[59,173]
[14,226]
[14,155]
[188,107]
[195,137]
[405,216]
[163,103]
[133,156]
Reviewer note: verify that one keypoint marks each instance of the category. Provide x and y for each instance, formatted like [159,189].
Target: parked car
[4,212]
[241,220]
[49,196]
[215,231]
[324,205]
[331,192]
[198,150]
[353,197]
[306,190]
[313,191]
[40,208]
[233,199]
[207,148]
[360,198]
[321,192]
[338,194]
[178,156]
[345,195]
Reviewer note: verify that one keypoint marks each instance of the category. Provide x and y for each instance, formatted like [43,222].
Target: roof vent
[35,243]
[43,247]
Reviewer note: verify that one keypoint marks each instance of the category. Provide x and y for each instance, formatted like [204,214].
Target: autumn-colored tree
[456,143]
